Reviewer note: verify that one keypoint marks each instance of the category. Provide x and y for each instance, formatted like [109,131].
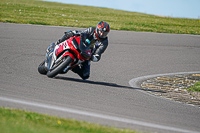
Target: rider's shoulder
[104,41]
[89,30]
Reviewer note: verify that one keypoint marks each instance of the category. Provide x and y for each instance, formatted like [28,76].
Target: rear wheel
[59,68]
[41,68]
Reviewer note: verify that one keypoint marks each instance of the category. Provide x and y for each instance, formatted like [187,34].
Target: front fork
[49,55]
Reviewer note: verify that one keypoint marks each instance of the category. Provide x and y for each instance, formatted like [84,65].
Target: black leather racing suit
[101,45]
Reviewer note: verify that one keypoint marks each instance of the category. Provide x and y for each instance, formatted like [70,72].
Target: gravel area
[173,87]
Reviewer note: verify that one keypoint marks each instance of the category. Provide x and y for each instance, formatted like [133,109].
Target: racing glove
[67,35]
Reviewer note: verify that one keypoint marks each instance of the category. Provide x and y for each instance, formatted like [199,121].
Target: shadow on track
[103,83]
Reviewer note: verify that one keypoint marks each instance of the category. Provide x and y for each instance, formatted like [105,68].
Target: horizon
[170,8]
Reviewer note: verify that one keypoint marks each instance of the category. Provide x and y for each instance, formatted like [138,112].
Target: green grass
[195,87]
[16,121]
[48,13]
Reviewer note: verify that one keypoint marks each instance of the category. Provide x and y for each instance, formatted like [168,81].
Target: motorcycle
[65,56]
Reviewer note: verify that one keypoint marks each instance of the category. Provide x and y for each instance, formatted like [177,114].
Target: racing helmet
[102,30]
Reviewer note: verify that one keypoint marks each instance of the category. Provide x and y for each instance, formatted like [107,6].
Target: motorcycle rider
[99,36]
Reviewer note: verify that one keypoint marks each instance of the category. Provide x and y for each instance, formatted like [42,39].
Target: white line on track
[96,115]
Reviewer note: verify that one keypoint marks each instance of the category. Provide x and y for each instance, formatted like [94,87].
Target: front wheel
[41,68]
[53,72]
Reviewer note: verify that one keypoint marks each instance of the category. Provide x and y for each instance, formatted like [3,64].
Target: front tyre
[41,68]
[53,72]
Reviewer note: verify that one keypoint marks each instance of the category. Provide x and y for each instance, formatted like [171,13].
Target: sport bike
[65,56]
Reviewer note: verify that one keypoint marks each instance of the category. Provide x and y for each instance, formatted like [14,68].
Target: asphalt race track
[106,98]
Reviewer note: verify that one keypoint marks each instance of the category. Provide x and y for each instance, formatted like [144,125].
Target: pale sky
[172,8]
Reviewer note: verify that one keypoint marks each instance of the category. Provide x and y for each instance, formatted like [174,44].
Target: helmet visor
[102,34]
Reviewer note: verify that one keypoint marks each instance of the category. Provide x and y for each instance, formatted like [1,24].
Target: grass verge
[195,87]
[57,14]
[17,121]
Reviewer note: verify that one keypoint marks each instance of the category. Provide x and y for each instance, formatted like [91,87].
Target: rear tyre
[53,72]
[41,68]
